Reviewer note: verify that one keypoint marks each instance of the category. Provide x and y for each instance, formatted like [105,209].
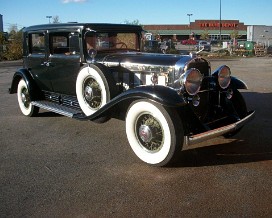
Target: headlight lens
[192,81]
[224,77]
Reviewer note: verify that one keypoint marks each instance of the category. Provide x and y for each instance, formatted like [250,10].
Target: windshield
[112,41]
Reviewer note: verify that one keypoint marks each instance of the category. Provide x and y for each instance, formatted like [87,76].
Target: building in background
[1,23]
[260,34]
[199,27]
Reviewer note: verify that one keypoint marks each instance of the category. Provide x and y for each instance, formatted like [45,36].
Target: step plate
[56,108]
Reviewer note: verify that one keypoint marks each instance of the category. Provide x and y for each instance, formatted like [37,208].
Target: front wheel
[24,100]
[154,132]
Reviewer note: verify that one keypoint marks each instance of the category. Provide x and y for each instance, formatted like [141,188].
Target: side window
[37,43]
[58,43]
[65,43]
[74,43]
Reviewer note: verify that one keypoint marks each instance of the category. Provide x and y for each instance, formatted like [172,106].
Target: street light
[49,17]
[220,23]
[189,15]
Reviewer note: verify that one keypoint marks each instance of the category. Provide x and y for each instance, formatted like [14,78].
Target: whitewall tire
[24,100]
[154,133]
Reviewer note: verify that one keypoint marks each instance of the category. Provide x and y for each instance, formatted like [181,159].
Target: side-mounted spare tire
[95,87]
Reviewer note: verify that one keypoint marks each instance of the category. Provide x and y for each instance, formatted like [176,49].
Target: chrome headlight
[224,77]
[191,80]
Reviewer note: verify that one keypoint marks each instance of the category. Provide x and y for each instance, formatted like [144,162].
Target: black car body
[97,72]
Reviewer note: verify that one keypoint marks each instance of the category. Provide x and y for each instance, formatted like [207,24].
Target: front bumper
[193,139]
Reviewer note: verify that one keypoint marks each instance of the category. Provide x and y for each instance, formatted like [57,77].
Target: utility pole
[189,15]
[220,24]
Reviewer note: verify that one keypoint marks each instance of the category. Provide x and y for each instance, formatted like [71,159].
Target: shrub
[13,46]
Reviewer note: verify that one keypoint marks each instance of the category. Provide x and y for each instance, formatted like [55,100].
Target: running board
[57,108]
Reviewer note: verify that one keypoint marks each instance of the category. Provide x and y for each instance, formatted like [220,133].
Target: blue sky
[31,12]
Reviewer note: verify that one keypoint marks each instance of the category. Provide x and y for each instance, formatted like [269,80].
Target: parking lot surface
[54,166]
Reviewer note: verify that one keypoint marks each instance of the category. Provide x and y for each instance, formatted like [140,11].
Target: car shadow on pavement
[252,144]
[48,114]
[231,153]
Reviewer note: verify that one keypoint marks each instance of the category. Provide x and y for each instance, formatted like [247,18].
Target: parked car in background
[98,71]
[152,46]
[203,46]
[164,46]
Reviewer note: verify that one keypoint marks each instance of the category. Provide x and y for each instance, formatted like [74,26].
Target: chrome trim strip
[190,140]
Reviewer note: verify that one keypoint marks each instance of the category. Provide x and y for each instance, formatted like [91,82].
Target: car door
[64,61]
[37,57]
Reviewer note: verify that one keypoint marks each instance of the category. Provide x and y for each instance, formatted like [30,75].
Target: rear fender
[34,91]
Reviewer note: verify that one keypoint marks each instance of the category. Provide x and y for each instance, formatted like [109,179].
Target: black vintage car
[97,72]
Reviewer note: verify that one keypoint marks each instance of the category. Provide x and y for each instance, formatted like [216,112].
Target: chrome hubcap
[88,92]
[92,93]
[149,133]
[145,133]
[25,97]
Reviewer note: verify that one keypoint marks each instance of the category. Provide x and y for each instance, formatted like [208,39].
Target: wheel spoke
[25,97]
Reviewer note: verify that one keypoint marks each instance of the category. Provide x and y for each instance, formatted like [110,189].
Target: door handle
[46,63]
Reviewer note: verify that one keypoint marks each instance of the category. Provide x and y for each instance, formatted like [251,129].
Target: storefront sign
[226,25]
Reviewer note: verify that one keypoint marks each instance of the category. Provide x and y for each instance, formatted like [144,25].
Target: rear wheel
[24,100]
[155,133]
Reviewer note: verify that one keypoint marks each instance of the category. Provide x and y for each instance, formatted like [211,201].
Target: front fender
[34,91]
[237,83]
[161,94]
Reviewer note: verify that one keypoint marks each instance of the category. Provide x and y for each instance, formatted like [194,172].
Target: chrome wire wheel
[149,132]
[95,87]
[25,97]
[92,93]
[92,90]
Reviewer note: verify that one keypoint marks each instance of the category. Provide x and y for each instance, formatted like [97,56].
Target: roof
[93,26]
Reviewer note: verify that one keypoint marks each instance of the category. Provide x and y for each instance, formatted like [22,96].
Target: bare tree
[56,19]
[134,22]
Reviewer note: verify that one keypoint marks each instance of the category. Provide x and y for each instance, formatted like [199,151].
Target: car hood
[140,58]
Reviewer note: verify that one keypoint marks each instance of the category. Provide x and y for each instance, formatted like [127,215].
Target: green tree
[235,34]
[14,45]
[205,35]
[2,45]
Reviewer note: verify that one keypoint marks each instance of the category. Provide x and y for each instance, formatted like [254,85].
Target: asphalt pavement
[54,166]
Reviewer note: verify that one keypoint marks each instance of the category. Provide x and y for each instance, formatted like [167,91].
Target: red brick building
[197,28]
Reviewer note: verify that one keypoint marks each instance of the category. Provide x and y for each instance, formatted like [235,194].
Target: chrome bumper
[190,140]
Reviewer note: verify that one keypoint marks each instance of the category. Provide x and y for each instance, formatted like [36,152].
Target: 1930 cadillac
[97,72]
